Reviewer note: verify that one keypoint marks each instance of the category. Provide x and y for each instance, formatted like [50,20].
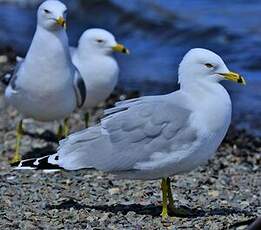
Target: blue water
[159,33]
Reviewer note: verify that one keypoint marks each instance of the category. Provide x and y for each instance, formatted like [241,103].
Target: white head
[204,65]
[100,41]
[51,15]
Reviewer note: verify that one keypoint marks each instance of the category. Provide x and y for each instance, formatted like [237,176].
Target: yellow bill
[120,48]
[61,21]
[232,76]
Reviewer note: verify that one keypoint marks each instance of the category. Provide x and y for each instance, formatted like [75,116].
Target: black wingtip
[29,163]
[36,164]
[43,164]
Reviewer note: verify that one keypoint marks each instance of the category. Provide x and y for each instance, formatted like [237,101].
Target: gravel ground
[224,194]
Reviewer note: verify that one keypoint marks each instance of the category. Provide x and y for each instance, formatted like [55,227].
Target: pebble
[113,191]
[213,193]
[3,59]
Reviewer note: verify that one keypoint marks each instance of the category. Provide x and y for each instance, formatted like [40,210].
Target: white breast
[211,117]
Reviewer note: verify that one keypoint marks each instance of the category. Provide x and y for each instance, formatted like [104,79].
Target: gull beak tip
[235,77]
[121,49]
[241,81]
[61,21]
[126,51]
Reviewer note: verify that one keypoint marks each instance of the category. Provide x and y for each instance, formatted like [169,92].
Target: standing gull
[156,137]
[44,84]
[99,69]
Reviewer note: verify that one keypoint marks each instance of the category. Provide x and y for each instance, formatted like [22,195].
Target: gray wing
[130,133]
[79,87]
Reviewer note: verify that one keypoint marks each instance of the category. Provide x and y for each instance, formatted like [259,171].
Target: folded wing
[129,134]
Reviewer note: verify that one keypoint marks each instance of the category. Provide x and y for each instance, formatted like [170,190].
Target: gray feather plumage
[129,134]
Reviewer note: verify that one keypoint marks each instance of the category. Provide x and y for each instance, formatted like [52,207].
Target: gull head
[100,41]
[201,65]
[52,15]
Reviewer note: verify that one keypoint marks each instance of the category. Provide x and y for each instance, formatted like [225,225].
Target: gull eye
[209,65]
[99,40]
[47,11]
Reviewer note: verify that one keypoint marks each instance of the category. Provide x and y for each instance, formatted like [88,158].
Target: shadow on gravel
[252,221]
[152,210]
[46,136]
[40,152]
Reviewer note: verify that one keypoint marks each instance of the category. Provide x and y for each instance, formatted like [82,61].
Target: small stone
[3,59]
[122,97]
[213,193]
[242,227]
[244,203]
[68,182]
[224,202]
[113,191]
[11,178]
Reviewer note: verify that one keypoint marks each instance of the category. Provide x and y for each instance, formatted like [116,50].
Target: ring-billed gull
[156,137]
[44,84]
[94,59]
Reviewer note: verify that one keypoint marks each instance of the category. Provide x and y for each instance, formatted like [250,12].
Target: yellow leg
[164,188]
[66,128]
[59,134]
[170,195]
[86,119]
[63,130]
[19,134]
[171,207]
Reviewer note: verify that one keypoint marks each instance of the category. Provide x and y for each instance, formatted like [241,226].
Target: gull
[99,69]
[45,85]
[156,137]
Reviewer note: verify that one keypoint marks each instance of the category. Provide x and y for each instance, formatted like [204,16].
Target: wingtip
[24,168]
[36,164]
[24,164]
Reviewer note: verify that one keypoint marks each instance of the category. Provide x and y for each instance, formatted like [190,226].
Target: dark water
[159,33]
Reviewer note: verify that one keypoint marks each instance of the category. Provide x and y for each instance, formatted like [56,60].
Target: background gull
[42,85]
[98,68]
[156,136]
